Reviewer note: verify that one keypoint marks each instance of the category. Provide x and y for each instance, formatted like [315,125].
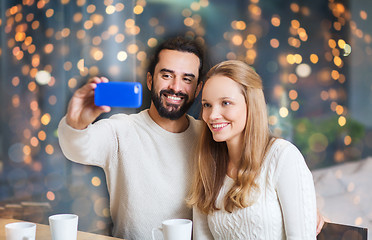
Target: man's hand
[81,109]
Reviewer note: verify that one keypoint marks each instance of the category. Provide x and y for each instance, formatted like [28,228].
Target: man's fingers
[98,80]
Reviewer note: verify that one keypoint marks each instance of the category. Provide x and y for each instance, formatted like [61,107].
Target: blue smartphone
[118,94]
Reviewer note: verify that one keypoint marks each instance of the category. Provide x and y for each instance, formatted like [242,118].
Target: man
[145,156]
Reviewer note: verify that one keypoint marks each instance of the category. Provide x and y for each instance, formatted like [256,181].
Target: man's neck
[174,126]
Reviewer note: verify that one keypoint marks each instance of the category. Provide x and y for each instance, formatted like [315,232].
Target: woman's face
[224,109]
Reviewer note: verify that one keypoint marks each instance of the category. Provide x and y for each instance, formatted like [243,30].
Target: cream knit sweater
[284,209]
[147,168]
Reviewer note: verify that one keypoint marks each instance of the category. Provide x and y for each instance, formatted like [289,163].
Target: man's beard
[176,111]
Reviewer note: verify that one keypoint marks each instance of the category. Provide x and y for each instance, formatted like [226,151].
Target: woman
[248,184]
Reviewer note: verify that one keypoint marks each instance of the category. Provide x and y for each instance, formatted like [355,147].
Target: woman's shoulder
[281,146]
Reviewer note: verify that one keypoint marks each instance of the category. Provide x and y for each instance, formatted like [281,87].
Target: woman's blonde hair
[211,157]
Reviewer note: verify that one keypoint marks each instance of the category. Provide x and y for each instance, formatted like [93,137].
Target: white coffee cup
[63,226]
[175,229]
[20,231]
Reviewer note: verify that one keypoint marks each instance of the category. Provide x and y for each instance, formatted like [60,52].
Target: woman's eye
[205,105]
[224,103]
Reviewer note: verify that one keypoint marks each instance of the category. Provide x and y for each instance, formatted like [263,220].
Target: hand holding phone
[118,94]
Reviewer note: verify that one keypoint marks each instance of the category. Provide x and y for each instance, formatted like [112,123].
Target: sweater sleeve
[296,193]
[200,226]
[94,145]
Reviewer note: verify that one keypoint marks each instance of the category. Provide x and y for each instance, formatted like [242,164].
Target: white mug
[20,231]
[63,226]
[175,229]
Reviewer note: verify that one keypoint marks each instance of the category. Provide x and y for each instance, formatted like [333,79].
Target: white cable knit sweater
[148,169]
[284,209]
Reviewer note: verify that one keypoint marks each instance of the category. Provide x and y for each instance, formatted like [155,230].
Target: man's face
[174,85]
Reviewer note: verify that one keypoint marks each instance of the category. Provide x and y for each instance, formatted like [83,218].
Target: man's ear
[149,80]
[199,88]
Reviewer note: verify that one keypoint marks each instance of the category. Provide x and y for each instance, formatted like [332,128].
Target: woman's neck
[235,157]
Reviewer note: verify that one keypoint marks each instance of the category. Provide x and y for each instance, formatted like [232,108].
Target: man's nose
[176,85]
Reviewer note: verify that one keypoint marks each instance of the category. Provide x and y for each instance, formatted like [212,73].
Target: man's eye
[167,76]
[187,80]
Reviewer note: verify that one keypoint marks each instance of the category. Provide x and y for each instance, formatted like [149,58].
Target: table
[43,232]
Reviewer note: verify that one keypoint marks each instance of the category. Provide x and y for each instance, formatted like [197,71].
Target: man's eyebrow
[190,75]
[166,70]
[171,71]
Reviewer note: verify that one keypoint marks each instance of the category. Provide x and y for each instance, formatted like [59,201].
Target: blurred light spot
[49,13]
[295,24]
[347,140]
[50,196]
[77,17]
[237,40]
[80,64]
[122,56]
[110,9]
[34,141]
[295,7]
[41,135]
[119,38]
[42,77]
[303,70]
[96,53]
[141,56]
[72,83]
[67,66]
[45,119]
[91,8]
[49,149]
[337,61]
[188,21]
[15,101]
[291,59]
[26,150]
[347,50]
[100,206]
[339,156]
[273,120]
[363,15]
[339,109]
[283,112]
[96,181]
[331,43]
[292,78]
[314,58]
[358,221]
[341,121]
[274,43]
[351,187]
[275,21]
[195,6]
[119,7]
[138,9]
[295,106]
[132,48]
[293,94]
[318,142]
